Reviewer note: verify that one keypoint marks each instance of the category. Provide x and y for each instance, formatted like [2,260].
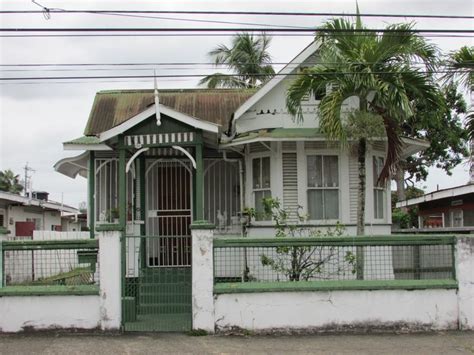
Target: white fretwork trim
[139,141]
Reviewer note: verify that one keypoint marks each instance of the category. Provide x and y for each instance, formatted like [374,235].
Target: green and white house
[158,163]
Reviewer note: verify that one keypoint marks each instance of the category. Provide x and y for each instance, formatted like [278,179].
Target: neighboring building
[22,215]
[75,222]
[215,152]
[449,209]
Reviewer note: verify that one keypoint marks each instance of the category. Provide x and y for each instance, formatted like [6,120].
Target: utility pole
[27,170]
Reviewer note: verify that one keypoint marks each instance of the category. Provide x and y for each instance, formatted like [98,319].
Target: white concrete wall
[110,257]
[48,312]
[465,276]
[435,309]
[202,280]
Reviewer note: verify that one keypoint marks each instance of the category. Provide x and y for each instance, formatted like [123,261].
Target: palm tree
[248,58]
[378,69]
[10,182]
[460,65]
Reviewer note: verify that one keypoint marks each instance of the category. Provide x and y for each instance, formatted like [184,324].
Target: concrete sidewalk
[60,343]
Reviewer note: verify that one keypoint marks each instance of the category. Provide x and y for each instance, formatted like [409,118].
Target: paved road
[68,344]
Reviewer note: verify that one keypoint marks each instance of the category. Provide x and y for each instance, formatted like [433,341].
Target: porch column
[199,215]
[122,181]
[91,205]
[110,278]
[202,234]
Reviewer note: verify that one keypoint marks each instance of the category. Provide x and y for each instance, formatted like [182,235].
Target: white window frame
[323,153]
[260,156]
[382,189]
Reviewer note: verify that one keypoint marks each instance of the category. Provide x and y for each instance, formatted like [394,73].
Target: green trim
[4,231]
[202,225]
[109,227]
[334,241]
[199,186]
[80,290]
[347,285]
[122,182]
[91,181]
[50,244]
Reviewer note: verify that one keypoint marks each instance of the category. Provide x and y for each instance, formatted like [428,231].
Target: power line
[252,13]
[210,35]
[223,75]
[230,29]
[152,66]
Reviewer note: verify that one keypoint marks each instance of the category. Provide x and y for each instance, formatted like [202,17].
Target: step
[164,308]
[164,298]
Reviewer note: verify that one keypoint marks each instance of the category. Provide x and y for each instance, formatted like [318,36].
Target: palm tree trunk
[361,150]
[400,181]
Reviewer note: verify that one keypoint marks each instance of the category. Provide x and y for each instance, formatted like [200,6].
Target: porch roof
[112,108]
[73,166]
[410,145]
[85,143]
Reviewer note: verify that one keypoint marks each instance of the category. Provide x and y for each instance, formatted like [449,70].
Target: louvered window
[323,187]
[261,184]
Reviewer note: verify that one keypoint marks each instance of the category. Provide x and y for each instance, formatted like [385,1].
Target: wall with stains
[21,313]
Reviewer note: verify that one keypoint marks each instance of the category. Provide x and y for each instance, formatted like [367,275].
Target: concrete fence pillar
[110,261]
[202,276]
[465,276]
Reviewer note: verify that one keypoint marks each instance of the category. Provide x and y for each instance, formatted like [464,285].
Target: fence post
[202,233]
[110,259]
[465,276]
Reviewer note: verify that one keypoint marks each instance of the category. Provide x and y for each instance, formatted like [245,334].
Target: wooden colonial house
[208,154]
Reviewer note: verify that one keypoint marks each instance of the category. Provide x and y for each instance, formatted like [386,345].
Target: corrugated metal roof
[84,140]
[112,108]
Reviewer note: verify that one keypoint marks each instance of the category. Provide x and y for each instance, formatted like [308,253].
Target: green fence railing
[27,263]
[335,261]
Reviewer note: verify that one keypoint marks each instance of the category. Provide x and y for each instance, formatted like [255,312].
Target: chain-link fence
[344,258]
[49,262]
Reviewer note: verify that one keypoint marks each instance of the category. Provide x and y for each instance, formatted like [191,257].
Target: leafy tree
[377,68]
[247,58]
[10,182]
[442,128]
[406,217]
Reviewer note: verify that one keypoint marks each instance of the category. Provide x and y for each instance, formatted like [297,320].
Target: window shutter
[290,185]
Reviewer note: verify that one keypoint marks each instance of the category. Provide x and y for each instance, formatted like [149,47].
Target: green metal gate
[157,276]
[157,294]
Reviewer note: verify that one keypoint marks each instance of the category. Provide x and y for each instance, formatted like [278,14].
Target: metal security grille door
[157,293]
[168,196]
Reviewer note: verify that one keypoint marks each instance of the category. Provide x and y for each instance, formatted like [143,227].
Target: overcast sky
[36,118]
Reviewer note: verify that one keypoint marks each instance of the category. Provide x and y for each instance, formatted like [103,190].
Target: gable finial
[157,101]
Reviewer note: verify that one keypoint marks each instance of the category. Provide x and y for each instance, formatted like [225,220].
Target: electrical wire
[232,30]
[248,13]
[223,75]
[210,35]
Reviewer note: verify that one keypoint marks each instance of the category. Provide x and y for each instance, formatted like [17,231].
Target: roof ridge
[122,91]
